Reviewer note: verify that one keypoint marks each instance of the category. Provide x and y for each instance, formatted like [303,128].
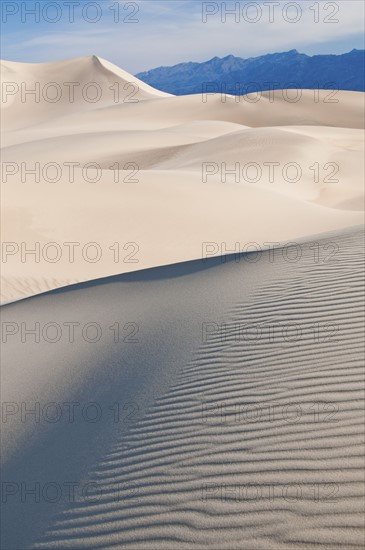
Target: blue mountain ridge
[238,76]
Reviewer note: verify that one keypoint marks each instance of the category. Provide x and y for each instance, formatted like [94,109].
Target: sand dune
[344,179]
[39,92]
[182,363]
[136,216]
[240,407]
[154,161]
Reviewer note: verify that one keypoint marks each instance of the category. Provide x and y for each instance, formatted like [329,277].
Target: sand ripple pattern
[259,443]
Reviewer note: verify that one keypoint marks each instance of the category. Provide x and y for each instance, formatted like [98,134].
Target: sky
[145,34]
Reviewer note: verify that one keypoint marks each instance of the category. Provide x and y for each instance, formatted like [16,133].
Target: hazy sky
[145,34]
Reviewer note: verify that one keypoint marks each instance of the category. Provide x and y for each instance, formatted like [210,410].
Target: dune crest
[38,92]
[104,165]
[193,274]
[241,407]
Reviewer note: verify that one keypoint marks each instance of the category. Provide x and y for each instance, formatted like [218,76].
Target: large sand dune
[228,390]
[241,407]
[162,159]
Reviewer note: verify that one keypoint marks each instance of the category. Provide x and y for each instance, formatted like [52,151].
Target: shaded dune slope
[253,432]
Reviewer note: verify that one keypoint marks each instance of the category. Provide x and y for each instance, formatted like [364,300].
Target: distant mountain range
[238,76]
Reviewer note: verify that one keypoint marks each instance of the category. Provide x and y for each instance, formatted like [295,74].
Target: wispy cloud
[170,32]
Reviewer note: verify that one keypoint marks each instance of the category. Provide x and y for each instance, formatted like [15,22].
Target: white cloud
[172,31]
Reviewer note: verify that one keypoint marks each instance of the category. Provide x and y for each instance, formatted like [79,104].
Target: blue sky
[144,34]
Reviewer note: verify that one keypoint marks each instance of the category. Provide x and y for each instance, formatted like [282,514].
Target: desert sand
[216,402]
[141,173]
